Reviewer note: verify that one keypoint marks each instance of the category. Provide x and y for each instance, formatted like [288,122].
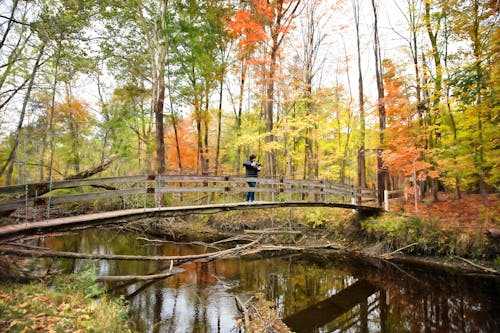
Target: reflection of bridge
[170,196]
[326,311]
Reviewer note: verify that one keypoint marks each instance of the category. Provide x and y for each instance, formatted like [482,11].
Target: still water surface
[313,292]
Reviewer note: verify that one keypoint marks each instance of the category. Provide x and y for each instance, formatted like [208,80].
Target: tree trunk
[12,155]
[240,109]
[269,113]
[381,172]
[361,181]
[159,99]
[219,126]
[206,159]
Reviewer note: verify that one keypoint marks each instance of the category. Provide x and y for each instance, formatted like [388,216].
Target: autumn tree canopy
[196,86]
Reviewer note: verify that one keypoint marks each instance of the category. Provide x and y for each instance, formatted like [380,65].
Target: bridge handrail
[167,178]
[146,185]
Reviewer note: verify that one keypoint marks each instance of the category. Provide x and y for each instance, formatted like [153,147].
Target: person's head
[252,157]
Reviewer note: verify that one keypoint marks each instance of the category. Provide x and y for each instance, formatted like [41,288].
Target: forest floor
[468,213]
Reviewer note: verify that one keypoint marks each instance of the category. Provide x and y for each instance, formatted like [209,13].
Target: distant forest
[377,93]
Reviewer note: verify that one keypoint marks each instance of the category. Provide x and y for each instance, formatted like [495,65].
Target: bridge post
[353,195]
[386,200]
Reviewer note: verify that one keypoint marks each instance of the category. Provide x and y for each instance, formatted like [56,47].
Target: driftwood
[75,255]
[271,232]
[119,278]
[161,241]
[243,309]
[41,252]
[232,239]
[387,255]
[486,269]
[247,249]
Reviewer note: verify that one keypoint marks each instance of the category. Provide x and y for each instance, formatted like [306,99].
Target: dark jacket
[251,169]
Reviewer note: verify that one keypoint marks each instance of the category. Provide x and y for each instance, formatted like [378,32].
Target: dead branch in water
[120,278]
[243,308]
[161,241]
[486,269]
[40,252]
[272,232]
[387,255]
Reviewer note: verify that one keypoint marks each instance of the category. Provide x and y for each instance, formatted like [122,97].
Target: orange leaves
[187,148]
[264,9]
[243,25]
[38,308]
[72,109]
[403,154]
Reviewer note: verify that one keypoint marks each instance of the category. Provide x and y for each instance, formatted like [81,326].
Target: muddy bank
[347,233]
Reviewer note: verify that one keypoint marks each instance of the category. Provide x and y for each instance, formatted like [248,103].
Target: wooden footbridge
[119,198]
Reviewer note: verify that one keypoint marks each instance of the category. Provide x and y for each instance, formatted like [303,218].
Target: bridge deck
[115,216]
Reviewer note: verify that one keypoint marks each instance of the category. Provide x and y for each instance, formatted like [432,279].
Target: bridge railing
[172,190]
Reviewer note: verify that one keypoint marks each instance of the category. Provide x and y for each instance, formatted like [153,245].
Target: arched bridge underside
[124,216]
[123,198]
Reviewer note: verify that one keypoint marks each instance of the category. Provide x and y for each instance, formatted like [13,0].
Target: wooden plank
[211,184]
[121,216]
[171,179]
[71,183]
[94,196]
[21,203]
[14,204]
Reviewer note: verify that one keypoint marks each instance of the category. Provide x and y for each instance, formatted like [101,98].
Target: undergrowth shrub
[397,231]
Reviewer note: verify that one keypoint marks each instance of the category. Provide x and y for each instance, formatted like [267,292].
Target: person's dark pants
[251,195]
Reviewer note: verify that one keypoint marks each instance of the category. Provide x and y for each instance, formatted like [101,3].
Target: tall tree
[474,85]
[200,63]
[274,19]
[361,179]
[313,36]
[12,156]
[138,43]
[382,176]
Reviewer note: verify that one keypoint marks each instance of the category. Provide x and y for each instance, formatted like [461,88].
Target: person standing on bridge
[252,169]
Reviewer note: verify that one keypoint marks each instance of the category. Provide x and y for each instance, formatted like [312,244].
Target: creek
[313,292]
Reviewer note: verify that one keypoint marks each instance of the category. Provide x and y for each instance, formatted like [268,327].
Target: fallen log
[388,255]
[39,189]
[486,269]
[75,255]
[272,232]
[243,309]
[41,252]
[267,247]
[120,278]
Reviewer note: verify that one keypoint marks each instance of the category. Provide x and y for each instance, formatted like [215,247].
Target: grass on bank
[431,234]
[71,303]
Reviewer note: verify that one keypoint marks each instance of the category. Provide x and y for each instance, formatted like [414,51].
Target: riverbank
[69,303]
[414,241]
[449,233]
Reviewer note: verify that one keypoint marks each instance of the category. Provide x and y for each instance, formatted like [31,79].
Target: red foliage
[187,147]
[244,25]
[403,154]
[467,212]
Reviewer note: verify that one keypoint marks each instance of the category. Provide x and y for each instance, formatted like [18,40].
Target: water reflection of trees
[437,302]
[200,299]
